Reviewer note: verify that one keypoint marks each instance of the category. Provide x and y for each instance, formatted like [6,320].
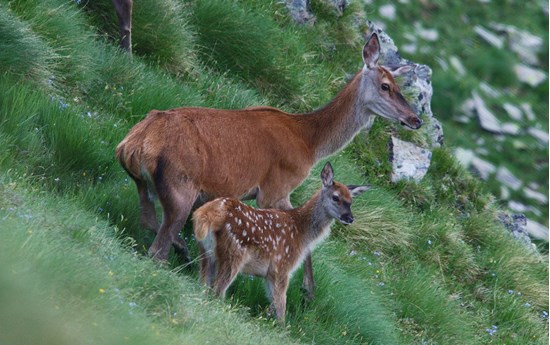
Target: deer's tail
[209,218]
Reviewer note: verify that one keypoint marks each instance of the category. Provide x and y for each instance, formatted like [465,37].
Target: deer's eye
[335,198]
[385,87]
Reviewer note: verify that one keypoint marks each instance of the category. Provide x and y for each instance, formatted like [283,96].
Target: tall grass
[22,52]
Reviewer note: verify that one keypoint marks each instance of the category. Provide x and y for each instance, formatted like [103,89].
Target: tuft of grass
[22,52]
[232,38]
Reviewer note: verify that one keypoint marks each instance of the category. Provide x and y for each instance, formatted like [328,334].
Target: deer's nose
[347,218]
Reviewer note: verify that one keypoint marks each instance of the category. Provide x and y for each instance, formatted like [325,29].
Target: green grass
[424,263]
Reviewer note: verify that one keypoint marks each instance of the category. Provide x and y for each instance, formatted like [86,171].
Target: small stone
[457,65]
[387,11]
[504,193]
[430,35]
[489,37]
[534,195]
[537,230]
[506,177]
[482,168]
[464,156]
[514,112]
[408,160]
[487,120]
[531,76]
[300,11]
[510,128]
[540,135]
[528,110]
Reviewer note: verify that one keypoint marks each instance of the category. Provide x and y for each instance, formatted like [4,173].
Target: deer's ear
[356,190]
[371,51]
[327,175]
[401,70]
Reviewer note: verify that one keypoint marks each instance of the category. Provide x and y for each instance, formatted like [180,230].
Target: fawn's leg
[308,284]
[278,285]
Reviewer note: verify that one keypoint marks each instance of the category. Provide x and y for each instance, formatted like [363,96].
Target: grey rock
[523,43]
[409,48]
[300,11]
[537,230]
[408,160]
[489,90]
[457,65]
[540,135]
[514,112]
[338,5]
[517,206]
[517,225]
[430,35]
[487,120]
[504,193]
[528,111]
[510,128]
[529,75]
[387,11]
[482,168]
[534,195]
[489,37]
[506,177]
[464,156]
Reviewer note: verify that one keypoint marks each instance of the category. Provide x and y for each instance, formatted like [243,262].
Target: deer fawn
[270,243]
[187,156]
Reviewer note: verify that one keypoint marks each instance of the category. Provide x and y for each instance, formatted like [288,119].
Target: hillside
[424,263]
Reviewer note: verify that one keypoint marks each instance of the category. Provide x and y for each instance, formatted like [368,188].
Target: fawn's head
[337,197]
[380,91]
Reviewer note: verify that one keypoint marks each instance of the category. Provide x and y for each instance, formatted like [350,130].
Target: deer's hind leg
[177,203]
[148,216]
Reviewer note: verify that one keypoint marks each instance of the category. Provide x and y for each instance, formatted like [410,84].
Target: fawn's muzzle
[346,219]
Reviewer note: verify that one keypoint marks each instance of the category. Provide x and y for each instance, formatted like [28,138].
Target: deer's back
[224,152]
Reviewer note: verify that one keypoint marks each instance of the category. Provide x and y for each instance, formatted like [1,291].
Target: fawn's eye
[335,198]
[385,87]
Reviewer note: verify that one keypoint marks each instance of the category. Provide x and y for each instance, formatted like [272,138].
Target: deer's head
[337,197]
[382,96]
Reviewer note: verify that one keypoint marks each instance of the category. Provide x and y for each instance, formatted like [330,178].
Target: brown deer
[187,156]
[236,238]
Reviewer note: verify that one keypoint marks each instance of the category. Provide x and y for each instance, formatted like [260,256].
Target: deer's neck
[330,128]
[312,220]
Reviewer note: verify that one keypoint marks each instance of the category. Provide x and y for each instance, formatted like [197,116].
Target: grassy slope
[423,263]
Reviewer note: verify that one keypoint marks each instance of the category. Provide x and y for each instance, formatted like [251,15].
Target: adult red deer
[192,155]
[236,238]
[123,9]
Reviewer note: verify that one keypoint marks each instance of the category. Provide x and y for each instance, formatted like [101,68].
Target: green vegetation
[423,264]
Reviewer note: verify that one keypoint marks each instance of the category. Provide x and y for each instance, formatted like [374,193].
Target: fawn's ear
[371,51]
[327,175]
[356,190]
